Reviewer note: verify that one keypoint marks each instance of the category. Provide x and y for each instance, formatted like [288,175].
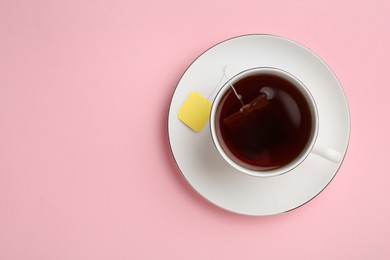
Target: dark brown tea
[271,130]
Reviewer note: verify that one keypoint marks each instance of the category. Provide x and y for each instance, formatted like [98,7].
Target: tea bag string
[224,76]
[231,85]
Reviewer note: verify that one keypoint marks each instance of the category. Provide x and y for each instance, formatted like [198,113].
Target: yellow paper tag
[195,111]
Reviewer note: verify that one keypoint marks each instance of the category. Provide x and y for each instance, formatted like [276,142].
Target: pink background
[85,167]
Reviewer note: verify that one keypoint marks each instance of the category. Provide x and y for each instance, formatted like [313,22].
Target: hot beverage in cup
[264,121]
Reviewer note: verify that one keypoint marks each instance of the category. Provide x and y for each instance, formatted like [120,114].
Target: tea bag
[258,103]
[234,121]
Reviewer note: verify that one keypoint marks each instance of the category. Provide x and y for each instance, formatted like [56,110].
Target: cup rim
[300,158]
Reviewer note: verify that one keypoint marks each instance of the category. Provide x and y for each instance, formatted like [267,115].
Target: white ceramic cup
[311,145]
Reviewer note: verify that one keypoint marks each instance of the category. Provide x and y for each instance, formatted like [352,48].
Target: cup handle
[327,153]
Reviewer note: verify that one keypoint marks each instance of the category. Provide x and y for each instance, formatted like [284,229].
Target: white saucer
[204,168]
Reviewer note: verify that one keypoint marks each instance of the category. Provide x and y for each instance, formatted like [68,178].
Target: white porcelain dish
[210,175]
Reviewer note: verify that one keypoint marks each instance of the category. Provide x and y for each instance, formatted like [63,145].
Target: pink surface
[85,167]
